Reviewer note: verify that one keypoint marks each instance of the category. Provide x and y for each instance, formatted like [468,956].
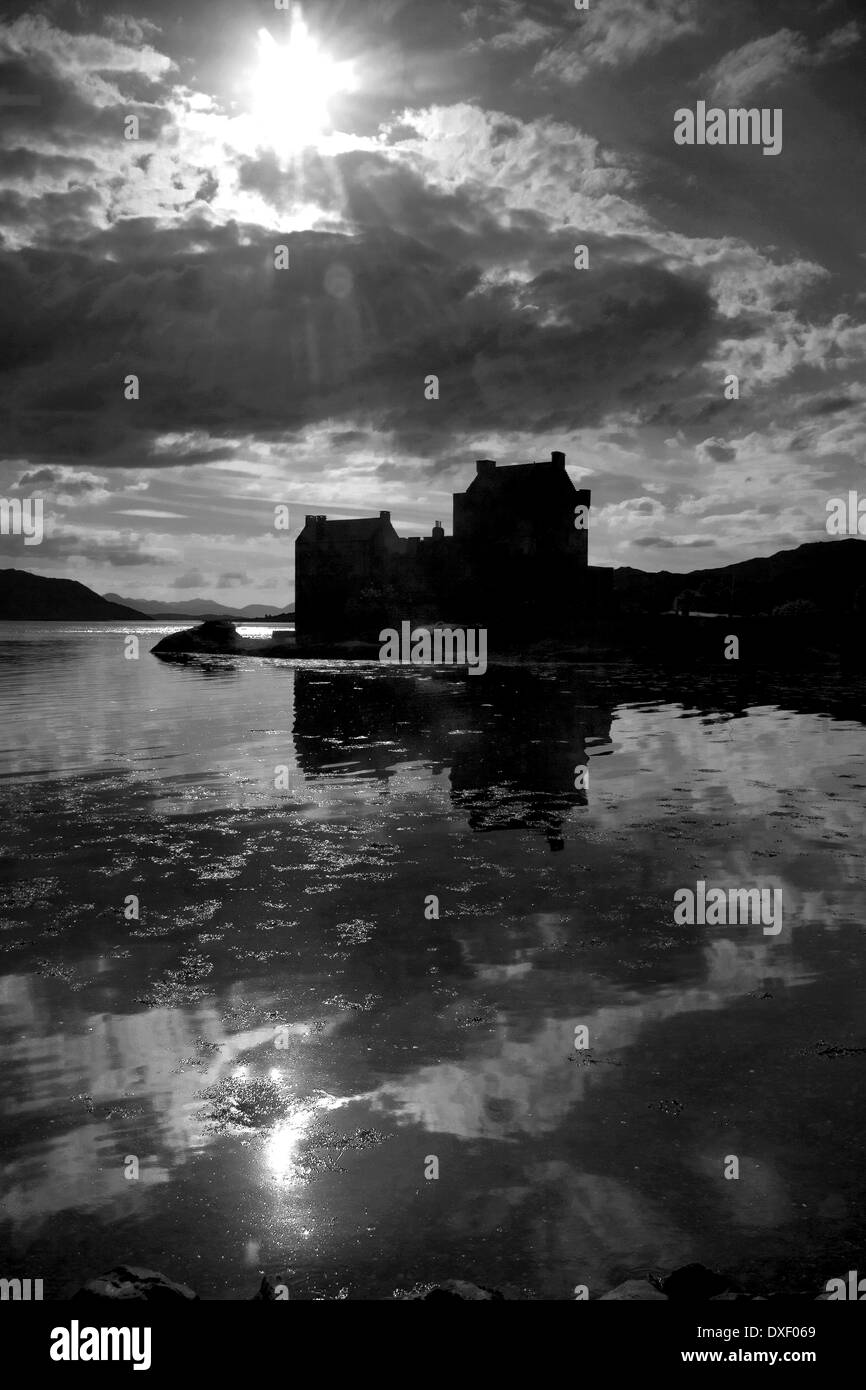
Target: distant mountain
[194,608]
[830,574]
[32,597]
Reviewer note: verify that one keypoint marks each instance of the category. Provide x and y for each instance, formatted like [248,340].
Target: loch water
[293,956]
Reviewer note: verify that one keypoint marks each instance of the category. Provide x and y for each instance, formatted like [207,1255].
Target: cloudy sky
[431,166]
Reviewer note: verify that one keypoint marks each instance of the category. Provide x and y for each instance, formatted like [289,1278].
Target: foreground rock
[459,1290]
[694,1283]
[268,1290]
[128,1283]
[218,637]
[634,1291]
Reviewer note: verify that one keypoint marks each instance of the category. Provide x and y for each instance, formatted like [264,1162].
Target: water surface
[287,1034]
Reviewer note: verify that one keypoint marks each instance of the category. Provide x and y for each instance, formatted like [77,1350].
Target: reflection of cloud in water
[512,1087]
[598,1220]
[757,1198]
[770,760]
[82,1169]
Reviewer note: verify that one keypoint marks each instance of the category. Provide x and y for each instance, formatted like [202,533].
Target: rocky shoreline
[693,1283]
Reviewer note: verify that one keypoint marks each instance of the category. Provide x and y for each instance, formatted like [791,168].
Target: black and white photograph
[432,629]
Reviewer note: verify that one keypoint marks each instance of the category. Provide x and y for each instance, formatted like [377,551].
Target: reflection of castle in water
[510,743]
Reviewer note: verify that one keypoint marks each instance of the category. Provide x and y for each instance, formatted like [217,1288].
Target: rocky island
[219,637]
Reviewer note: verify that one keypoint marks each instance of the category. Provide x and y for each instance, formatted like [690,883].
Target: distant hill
[193,608]
[33,597]
[831,574]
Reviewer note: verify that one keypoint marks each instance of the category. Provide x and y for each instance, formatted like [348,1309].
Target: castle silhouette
[518,557]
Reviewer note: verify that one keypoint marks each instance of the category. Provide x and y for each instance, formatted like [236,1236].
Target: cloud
[200,315]
[68,482]
[763,63]
[616,34]
[120,549]
[546,167]
[674,543]
[83,60]
[192,579]
[148,511]
[505,26]
[632,513]
[716,450]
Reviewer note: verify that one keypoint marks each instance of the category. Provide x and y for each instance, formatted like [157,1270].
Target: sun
[293,84]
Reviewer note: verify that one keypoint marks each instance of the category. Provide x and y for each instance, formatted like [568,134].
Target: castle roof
[352,528]
[519,475]
[519,481]
[359,526]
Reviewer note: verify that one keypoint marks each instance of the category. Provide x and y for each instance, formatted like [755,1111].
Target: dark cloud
[831,405]
[223,342]
[660,543]
[718,450]
[123,551]
[74,116]
[59,480]
[372,192]
[22,163]
[339,437]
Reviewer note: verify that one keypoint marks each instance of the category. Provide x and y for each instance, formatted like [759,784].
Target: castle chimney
[485,467]
[384,516]
[557,458]
[438,532]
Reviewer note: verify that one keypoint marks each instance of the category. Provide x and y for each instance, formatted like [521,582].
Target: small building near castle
[518,555]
